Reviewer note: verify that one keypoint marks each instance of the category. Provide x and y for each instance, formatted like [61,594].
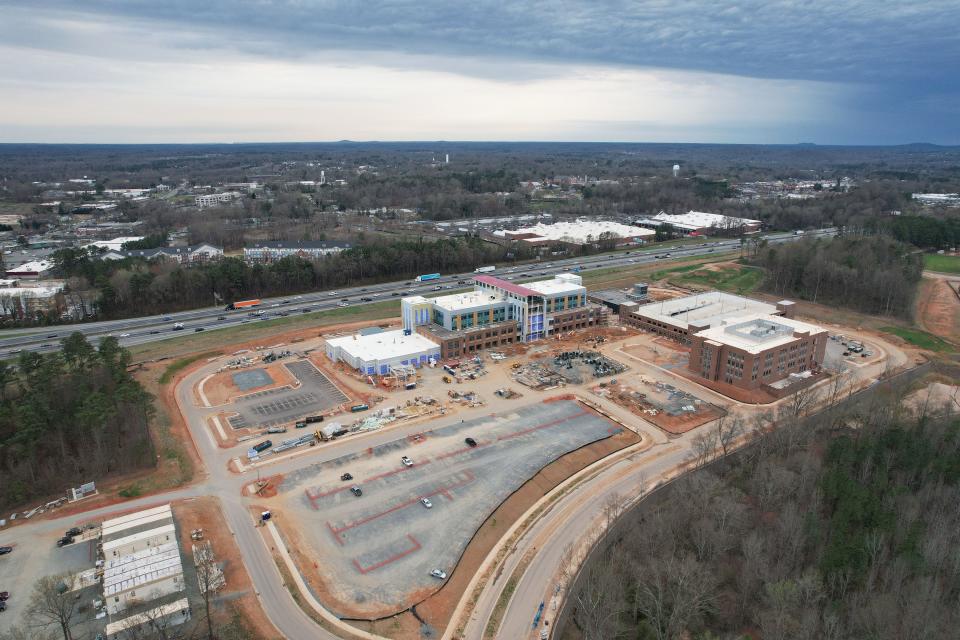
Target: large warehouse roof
[578,232]
[695,220]
[754,334]
[708,308]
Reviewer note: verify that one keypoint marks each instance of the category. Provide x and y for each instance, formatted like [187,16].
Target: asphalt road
[135,331]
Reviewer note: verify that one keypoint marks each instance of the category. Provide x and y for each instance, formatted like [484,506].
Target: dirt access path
[938,306]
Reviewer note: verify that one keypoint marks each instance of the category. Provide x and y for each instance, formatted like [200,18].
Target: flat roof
[709,308]
[136,515]
[142,568]
[578,232]
[701,220]
[555,286]
[131,527]
[469,300]
[506,285]
[109,545]
[757,333]
[157,614]
[383,346]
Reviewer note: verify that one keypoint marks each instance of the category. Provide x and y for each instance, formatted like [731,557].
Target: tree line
[135,287]
[70,417]
[835,527]
[872,274]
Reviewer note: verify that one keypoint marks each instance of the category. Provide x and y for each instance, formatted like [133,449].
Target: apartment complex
[757,351]
[265,252]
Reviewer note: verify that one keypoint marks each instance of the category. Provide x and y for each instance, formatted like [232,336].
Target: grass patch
[663,273]
[130,491]
[182,363]
[919,338]
[264,329]
[733,279]
[943,264]
[493,624]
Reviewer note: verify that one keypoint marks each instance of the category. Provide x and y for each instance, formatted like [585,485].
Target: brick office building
[757,351]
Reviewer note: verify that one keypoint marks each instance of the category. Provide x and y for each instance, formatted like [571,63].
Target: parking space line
[365,570]
[546,425]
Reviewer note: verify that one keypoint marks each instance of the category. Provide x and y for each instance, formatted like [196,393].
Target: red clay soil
[674,425]
[938,308]
[204,513]
[269,489]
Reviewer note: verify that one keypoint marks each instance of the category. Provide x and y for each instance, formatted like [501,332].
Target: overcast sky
[763,71]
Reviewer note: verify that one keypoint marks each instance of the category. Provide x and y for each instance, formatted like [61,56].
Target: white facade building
[376,353]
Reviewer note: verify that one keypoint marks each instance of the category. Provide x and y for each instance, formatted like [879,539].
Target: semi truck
[484,269]
[242,304]
[428,276]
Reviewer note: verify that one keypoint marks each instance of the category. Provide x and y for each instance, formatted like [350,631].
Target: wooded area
[836,527]
[873,275]
[70,417]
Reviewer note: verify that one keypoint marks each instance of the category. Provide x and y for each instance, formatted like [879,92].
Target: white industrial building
[212,199]
[141,558]
[702,222]
[580,232]
[376,353]
[150,623]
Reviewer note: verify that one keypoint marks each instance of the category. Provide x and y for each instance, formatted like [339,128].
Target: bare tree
[728,430]
[52,603]
[703,447]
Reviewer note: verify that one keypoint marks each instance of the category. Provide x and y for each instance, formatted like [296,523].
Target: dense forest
[70,417]
[834,527]
[871,274]
[133,287]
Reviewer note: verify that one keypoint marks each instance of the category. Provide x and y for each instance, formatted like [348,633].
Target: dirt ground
[220,389]
[938,307]
[204,513]
[673,424]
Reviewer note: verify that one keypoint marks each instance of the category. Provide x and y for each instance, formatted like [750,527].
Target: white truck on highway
[484,269]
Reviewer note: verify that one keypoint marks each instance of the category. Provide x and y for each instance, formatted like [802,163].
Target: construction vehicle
[446,379]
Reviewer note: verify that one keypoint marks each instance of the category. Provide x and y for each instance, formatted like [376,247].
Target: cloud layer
[753,71]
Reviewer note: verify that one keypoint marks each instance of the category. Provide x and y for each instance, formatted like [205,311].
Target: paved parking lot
[276,406]
[377,550]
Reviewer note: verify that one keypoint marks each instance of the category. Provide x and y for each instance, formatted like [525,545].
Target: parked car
[64,541]
[470,442]
[407,462]
[439,573]
[5,550]
[357,491]
[73,531]
[346,477]
[426,502]
[4,595]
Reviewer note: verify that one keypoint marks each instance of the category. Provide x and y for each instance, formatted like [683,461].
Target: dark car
[154,332]
[167,318]
[4,595]
[470,442]
[304,310]
[366,299]
[5,550]
[284,302]
[355,490]
[3,605]
[73,531]
[344,299]
[64,541]
[51,335]
[221,317]
[200,329]
[346,477]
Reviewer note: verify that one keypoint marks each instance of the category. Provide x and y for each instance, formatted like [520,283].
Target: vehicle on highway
[470,442]
[46,346]
[344,299]
[395,293]
[485,269]
[428,276]
[275,304]
[284,302]
[426,502]
[154,332]
[439,573]
[407,462]
[15,350]
[306,310]
[124,335]
[357,491]
[51,335]
[437,288]
[178,326]
[167,318]
[343,304]
[346,477]
[242,304]
[366,299]
[221,317]
[260,313]
[199,329]
[64,541]
[5,550]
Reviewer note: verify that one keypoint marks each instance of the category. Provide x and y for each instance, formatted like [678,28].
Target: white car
[124,335]
[438,573]
[407,462]
[426,502]
[343,304]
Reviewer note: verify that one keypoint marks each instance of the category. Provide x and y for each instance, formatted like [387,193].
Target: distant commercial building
[937,199]
[31,270]
[499,312]
[680,317]
[757,351]
[112,245]
[266,252]
[213,199]
[701,222]
[27,300]
[141,559]
[581,232]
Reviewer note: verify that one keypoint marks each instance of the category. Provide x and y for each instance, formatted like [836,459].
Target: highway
[134,331]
